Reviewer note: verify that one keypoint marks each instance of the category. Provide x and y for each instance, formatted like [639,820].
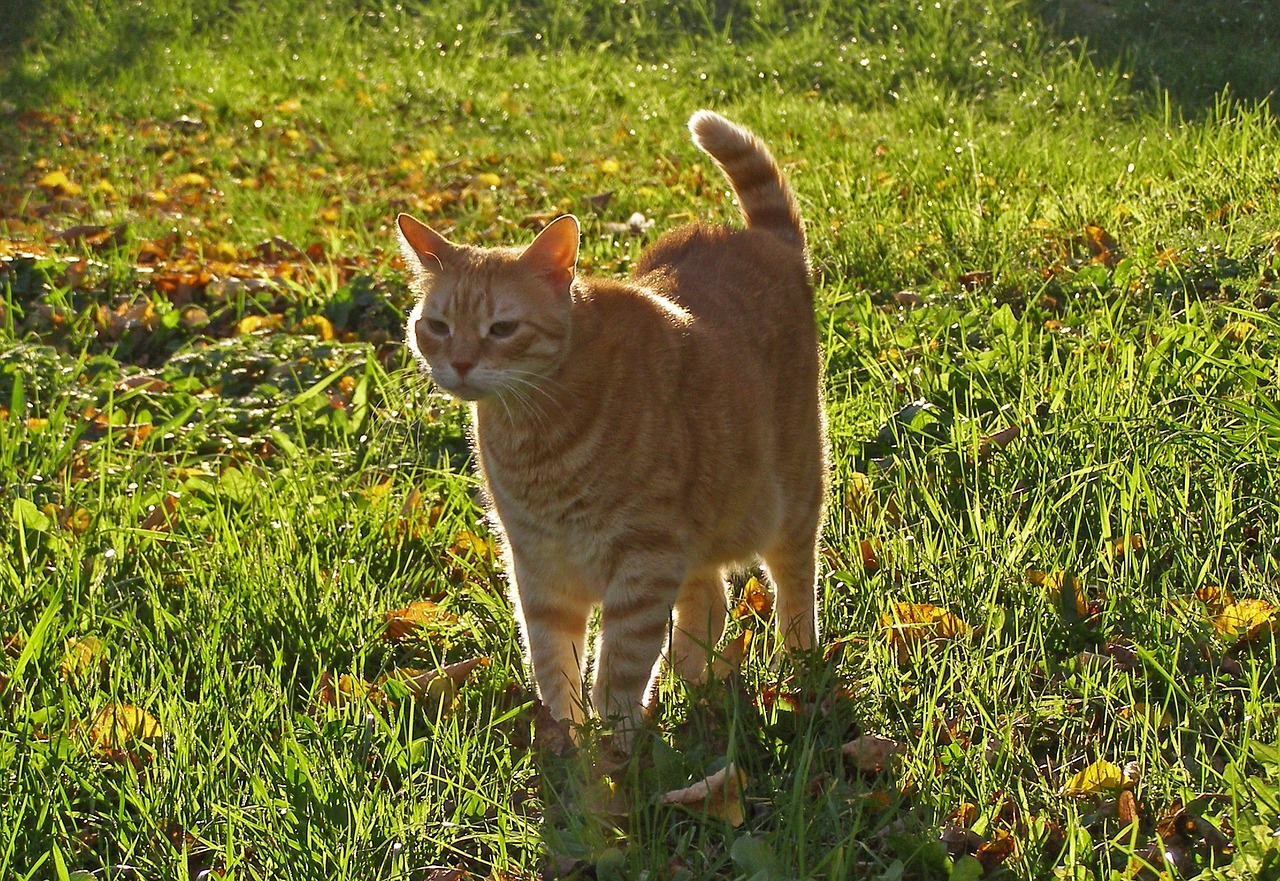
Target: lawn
[251,621]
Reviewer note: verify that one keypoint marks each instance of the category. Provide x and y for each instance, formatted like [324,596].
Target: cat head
[490,320]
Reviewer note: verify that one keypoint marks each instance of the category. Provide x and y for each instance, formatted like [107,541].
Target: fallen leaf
[317,325]
[718,795]
[1126,544]
[121,726]
[994,852]
[870,752]
[161,516]
[80,655]
[907,623]
[1063,588]
[57,181]
[1103,248]
[258,323]
[401,623]
[756,600]
[440,685]
[1099,777]
[1247,620]
[998,441]
[1215,597]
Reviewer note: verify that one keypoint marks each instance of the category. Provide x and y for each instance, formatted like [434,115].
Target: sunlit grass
[232,515]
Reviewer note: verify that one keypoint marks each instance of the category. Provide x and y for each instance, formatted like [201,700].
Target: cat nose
[462,367]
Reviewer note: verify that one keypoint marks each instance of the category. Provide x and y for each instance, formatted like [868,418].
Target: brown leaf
[756,600]
[997,441]
[718,795]
[1103,248]
[80,656]
[161,516]
[401,623]
[994,852]
[551,735]
[441,686]
[870,752]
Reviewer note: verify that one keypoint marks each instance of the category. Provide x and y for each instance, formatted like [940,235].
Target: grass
[218,472]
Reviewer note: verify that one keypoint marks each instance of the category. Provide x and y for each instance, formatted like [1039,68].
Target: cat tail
[766,200]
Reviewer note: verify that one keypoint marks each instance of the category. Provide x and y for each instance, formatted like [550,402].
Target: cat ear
[554,253]
[423,245]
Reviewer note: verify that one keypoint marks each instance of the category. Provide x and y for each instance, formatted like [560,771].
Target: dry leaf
[997,441]
[994,852]
[718,796]
[1063,589]
[161,516]
[401,623]
[918,622]
[441,686]
[121,726]
[756,600]
[1099,777]
[870,752]
[1215,597]
[1103,248]
[80,655]
[1246,620]
[1126,544]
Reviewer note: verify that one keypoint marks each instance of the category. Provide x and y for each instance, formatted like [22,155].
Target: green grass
[948,158]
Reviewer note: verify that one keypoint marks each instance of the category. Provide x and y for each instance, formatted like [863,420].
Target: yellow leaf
[80,654]
[860,498]
[1246,620]
[1127,544]
[1215,597]
[487,180]
[105,189]
[1057,584]
[755,600]
[1239,331]
[119,726]
[289,105]
[224,251]
[718,796]
[159,197]
[191,179]
[317,325]
[1098,777]
[330,214]
[608,166]
[911,621]
[468,544]
[255,323]
[59,182]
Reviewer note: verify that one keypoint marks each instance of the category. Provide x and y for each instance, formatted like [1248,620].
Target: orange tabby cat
[638,437]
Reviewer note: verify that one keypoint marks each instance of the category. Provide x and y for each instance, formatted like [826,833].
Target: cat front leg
[793,571]
[552,609]
[634,621]
[701,607]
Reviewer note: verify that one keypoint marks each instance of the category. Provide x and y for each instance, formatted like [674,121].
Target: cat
[637,438]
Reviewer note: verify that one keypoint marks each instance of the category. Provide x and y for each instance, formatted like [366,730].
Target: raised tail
[766,200]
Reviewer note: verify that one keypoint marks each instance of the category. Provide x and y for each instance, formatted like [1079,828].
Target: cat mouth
[464,390]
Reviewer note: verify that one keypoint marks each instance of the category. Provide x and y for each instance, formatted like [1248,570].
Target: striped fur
[639,437]
[766,200]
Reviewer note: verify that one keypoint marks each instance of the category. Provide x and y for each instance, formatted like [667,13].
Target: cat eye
[437,327]
[501,329]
